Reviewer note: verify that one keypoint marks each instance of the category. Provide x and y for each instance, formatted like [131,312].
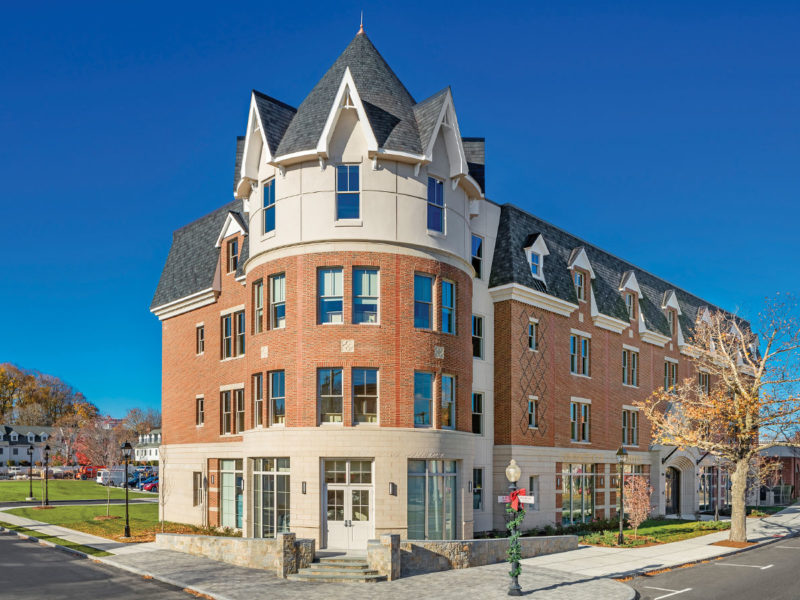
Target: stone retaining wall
[429,556]
[285,554]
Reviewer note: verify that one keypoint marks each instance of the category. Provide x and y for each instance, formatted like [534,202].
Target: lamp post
[46,460]
[513,473]
[622,456]
[30,474]
[717,480]
[126,454]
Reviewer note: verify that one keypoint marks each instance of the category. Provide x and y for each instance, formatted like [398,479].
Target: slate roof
[388,104]
[426,113]
[237,169]
[475,152]
[22,431]
[275,117]
[193,257]
[518,229]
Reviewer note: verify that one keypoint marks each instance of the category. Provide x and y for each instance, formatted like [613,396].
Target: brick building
[361,340]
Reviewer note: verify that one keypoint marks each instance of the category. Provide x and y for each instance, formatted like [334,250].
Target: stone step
[342,560]
[336,577]
[339,567]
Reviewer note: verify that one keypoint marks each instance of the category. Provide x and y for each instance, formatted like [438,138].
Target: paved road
[768,573]
[32,572]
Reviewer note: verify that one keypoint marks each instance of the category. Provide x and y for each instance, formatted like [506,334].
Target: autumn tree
[99,442]
[751,401]
[139,421]
[637,500]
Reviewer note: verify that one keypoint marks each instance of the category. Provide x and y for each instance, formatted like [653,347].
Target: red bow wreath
[513,498]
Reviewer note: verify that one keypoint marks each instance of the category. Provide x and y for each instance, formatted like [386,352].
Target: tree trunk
[738,501]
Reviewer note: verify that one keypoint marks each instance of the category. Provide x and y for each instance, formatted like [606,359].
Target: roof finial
[361,29]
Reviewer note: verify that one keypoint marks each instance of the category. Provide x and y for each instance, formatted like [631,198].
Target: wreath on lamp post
[515,508]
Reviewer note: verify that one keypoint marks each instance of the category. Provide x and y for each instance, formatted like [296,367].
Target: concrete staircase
[338,569]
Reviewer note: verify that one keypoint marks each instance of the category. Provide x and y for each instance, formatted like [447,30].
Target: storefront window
[577,493]
[431,499]
[270,496]
[232,488]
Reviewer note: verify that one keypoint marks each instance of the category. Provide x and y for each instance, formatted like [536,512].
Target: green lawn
[62,489]
[56,540]
[143,520]
[657,532]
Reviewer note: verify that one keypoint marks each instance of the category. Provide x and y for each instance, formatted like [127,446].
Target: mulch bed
[730,544]
[42,507]
[105,518]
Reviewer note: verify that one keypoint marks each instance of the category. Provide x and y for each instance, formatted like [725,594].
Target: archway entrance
[672,491]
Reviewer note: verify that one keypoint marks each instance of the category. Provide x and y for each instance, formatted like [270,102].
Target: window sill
[580,375]
[422,426]
[331,323]
[478,358]
[348,223]
[437,234]
[268,235]
[628,385]
[199,353]
[276,328]
[373,324]
[534,427]
[199,426]
[331,424]
[581,443]
[366,424]
[278,425]
[533,349]
[230,358]
[630,445]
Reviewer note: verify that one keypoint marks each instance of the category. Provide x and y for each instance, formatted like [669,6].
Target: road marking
[751,566]
[672,592]
[790,547]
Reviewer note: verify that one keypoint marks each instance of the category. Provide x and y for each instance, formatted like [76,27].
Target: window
[448,418]
[579,355]
[423,398]
[670,376]
[277,301]
[477,255]
[579,421]
[577,493]
[269,206]
[704,381]
[200,339]
[365,295]
[277,398]
[580,288]
[258,400]
[348,205]
[630,430]
[536,265]
[533,330]
[238,396]
[435,205]
[330,296]
[477,489]
[448,307]
[199,414]
[365,395]
[227,416]
[197,488]
[533,490]
[432,499]
[533,413]
[233,340]
[270,497]
[477,413]
[423,301]
[329,395]
[477,336]
[233,255]
[258,306]
[671,321]
[630,304]
[630,367]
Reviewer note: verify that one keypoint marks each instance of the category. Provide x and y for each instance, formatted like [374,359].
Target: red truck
[88,472]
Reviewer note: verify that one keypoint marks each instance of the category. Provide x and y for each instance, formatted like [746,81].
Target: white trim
[651,337]
[453,142]
[633,408]
[580,400]
[198,396]
[581,261]
[671,301]
[539,247]
[580,333]
[200,324]
[226,311]
[631,348]
[520,293]
[533,320]
[672,360]
[630,283]
[230,386]
[346,86]
[184,305]
[227,230]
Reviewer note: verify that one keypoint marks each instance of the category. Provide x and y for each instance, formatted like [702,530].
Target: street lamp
[30,473]
[717,481]
[622,456]
[46,460]
[126,454]
[513,473]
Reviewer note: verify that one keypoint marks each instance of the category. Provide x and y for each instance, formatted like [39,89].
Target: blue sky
[667,133]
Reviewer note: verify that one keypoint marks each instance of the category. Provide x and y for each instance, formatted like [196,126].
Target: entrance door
[672,491]
[348,504]
[232,492]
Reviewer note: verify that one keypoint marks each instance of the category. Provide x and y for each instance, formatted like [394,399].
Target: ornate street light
[513,473]
[622,456]
[126,454]
[46,461]
[30,473]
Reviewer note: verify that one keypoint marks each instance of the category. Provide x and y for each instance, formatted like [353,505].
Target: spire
[361,28]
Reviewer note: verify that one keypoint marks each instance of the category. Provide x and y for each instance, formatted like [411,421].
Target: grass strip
[55,540]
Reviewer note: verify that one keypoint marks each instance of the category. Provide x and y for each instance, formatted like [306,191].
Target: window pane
[435,218]
[423,296]
[347,206]
[423,395]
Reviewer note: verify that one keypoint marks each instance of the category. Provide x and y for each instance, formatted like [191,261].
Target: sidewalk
[593,561]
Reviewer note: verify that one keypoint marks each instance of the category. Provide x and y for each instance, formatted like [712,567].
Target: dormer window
[31,438]
[14,437]
[233,255]
[630,304]
[671,321]
[536,265]
[535,251]
[580,286]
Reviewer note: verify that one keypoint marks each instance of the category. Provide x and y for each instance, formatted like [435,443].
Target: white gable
[232,226]
[580,260]
[537,247]
[447,127]
[630,284]
[347,98]
[671,301]
[255,151]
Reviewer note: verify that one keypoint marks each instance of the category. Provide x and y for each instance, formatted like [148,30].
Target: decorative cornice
[184,305]
[515,291]
[610,323]
[651,337]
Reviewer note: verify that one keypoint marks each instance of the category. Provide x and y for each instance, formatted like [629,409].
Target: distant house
[16,439]
[146,448]
[783,488]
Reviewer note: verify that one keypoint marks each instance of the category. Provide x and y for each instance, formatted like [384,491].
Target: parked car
[151,487]
[146,481]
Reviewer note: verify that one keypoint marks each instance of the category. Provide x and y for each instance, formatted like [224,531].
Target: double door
[348,508]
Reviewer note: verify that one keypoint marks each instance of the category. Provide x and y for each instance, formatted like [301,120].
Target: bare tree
[751,403]
[637,500]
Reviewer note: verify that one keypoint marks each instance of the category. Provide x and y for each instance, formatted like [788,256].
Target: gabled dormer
[631,294]
[582,274]
[672,310]
[535,252]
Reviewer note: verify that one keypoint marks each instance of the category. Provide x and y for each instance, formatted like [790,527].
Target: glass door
[348,503]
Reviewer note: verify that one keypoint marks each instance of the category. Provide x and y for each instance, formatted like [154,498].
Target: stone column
[286,559]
